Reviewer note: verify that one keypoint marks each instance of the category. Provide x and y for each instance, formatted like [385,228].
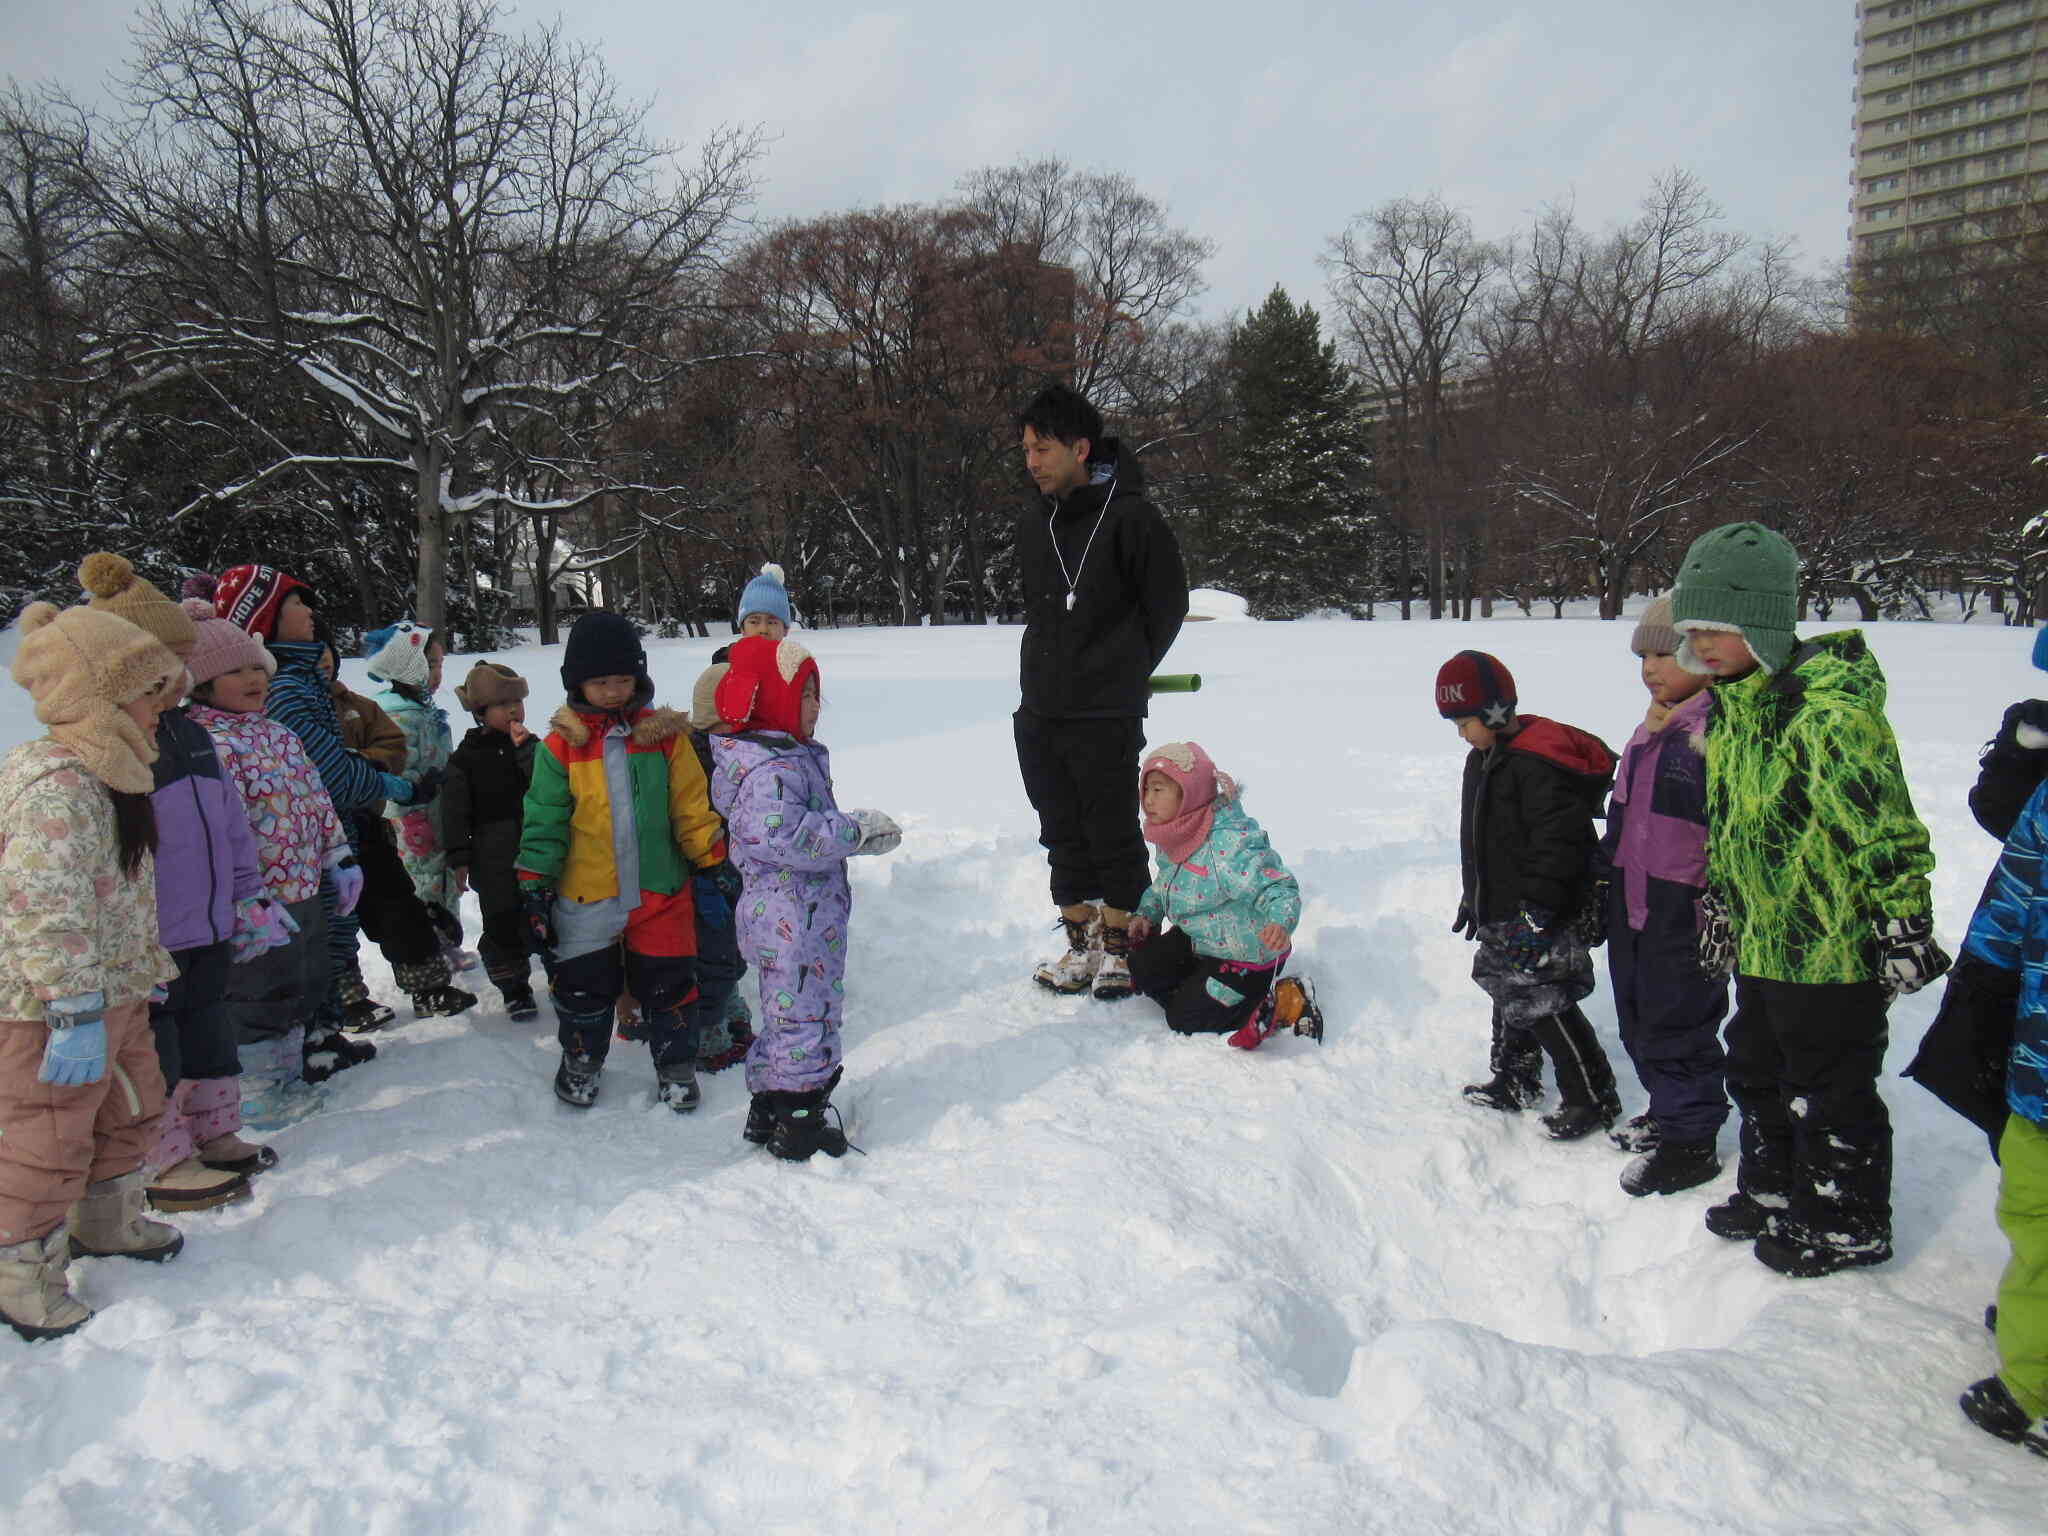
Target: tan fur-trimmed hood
[650,730]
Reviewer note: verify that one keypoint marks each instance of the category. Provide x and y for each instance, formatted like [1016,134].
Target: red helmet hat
[251,595]
[763,688]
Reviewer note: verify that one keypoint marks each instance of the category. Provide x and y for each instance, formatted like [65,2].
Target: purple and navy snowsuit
[1655,856]
[791,842]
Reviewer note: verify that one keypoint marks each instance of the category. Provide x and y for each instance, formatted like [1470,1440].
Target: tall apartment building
[1951,137]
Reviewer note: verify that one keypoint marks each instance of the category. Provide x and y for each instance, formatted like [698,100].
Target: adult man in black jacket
[1104,595]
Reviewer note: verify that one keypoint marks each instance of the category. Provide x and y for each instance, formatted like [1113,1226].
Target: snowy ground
[1090,1277]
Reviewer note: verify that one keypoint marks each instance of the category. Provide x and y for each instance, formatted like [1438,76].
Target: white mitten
[878,834]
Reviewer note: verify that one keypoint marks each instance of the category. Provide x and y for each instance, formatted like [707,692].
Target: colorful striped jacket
[566,836]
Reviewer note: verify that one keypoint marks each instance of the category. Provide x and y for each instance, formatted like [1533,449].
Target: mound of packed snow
[1089,1276]
[1212,603]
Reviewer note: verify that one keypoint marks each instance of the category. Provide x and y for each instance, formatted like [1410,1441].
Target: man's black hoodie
[1130,594]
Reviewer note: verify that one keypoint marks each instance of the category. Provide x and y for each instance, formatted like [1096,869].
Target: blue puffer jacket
[1229,888]
[2010,931]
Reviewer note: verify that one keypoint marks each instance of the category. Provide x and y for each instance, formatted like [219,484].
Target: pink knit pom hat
[222,646]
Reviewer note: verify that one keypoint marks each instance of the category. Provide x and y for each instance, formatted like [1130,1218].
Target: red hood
[1567,746]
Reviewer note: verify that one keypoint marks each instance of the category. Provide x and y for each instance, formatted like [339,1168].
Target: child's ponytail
[134,829]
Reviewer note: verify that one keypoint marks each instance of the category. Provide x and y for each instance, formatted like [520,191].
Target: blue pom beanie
[2041,648]
[765,594]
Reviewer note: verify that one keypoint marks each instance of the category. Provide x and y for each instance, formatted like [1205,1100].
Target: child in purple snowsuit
[773,785]
[1654,862]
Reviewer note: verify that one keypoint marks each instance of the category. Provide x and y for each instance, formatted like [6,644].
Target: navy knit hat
[604,645]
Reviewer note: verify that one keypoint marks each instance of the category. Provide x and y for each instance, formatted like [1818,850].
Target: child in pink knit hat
[1231,902]
[272,997]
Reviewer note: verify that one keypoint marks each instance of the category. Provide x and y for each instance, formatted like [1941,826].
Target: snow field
[1089,1276]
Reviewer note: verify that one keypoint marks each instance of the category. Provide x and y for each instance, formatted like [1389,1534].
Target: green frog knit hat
[1740,577]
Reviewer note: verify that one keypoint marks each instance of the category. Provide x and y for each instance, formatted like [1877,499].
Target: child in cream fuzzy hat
[80,1088]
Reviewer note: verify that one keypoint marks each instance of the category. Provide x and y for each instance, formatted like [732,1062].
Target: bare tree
[1408,279]
[449,231]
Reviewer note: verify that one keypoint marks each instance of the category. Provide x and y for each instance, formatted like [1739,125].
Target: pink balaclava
[1201,783]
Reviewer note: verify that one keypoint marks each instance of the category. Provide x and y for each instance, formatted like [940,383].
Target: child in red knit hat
[1525,834]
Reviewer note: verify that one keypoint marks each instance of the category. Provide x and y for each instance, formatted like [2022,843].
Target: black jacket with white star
[1130,594]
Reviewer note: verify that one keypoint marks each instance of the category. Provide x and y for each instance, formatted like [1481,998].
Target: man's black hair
[1061,412]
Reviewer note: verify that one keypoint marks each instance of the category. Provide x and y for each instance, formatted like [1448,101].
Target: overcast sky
[1263,126]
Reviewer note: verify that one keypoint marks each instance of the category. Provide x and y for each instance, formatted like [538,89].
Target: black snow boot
[1670,1167]
[1804,1256]
[1585,1082]
[761,1114]
[360,1012]
[520,1004]
[1516,1062]
[801,1126]
[331,1051]
[1639,1135]
[576,1079]
[1741,1218]
[1989,1405]
[441,1001]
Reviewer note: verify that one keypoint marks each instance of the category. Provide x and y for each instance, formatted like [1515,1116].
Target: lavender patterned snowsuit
[791,842]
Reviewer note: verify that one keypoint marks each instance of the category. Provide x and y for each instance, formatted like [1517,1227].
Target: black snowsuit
[1084,672]
[1962,1057]
[482,806]
[1525,838]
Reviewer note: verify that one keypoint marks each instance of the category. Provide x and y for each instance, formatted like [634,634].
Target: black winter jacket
[482,809]
[1526,833]
[2009,768]
[1130,595]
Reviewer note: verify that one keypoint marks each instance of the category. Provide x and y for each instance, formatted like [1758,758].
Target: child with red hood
[772,782]
[1232,904]
[1532,788]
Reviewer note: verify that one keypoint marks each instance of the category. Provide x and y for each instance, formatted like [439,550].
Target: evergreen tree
[1297,531]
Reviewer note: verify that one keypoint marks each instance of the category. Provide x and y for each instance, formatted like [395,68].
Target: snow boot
[1639,1135]
[761,1118]
[1989,1405]
[576,1079]
[442,1001]
[332,1052]
[193,1186]
[107,1221]
[676,1086]
[1585,1082]
[1799,1255]
[520,1004]
[361,1013]
[740,1039]
[1295,1008]
[1516,1062]
[1742,1218]
[1074,969]
[231,1154]
[1670,1167]
[1113,972]
[34,1299]
[801,1128]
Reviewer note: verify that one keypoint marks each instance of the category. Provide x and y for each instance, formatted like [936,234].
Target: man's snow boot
[1516,1062]
[1670,1167]
[676,1086]
[194,1186]
[1073,970]
[801,1127]
[576,1079]
[1741,1218]
[1113,973]
[35,1301]
[1639,1135]
[1800,1255]
[107,1222]
[1989,1405]
[761,1118]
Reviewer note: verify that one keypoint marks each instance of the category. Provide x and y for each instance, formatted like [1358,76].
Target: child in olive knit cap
[1817,898]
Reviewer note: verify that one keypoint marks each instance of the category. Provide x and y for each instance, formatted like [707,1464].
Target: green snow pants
[2023,1288]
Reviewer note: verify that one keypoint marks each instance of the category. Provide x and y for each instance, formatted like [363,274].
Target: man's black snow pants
[1082,778]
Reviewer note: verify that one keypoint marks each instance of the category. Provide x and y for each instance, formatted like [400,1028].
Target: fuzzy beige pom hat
[81,665]
[704,698]
[113,587]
